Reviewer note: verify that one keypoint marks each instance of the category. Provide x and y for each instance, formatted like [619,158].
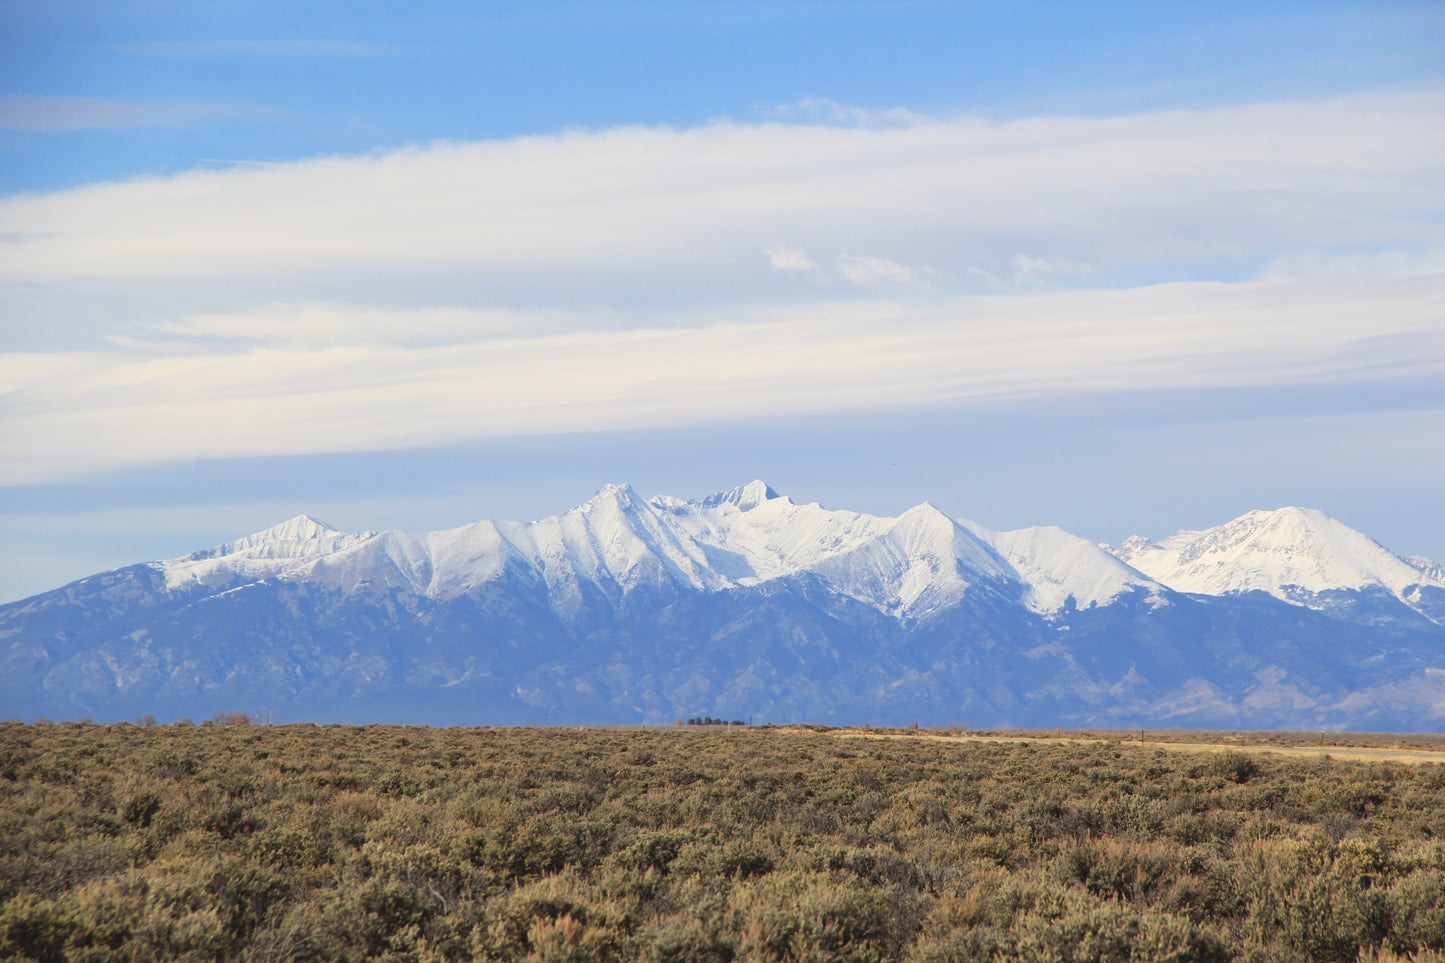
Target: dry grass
[334,843]
[1357,747]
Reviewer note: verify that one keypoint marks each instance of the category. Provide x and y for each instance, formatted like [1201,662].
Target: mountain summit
[746,497]
[1298,555]
[633,609]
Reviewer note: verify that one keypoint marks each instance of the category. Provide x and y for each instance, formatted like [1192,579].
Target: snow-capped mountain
[745,602]
[617,542]
[1298,555]
[1064,570]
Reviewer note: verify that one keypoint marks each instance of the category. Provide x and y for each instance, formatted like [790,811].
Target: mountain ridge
[627,608]
[1294,554]
[616,531]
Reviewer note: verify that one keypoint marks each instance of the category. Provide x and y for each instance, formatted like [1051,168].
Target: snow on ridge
[1135,546]
[945,558]
[914,565]
[745,497]
[291,548]
[778,537]
[301,529]
[463,558]
[919,562]
[1061,568]
[615,541]
[635,543]
[1432,571]
[611,493]
[970,547]
[1291,553]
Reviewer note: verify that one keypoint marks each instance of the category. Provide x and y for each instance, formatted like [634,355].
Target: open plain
[304,842]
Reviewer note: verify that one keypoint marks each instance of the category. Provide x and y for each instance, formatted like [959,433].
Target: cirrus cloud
[264,395]
[597,280]
[587,213]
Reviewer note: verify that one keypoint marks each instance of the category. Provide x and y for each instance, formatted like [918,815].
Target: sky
[1126,268]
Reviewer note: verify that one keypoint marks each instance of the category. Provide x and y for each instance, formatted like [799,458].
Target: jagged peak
[1290,527]
[929,517]
[745,497]
[927,513]
[1290,516]
[621,494]
[1427,567]
[1290,523]
[1066,571]
[1132,547]
[1292,553]
[300,527]
[926,508]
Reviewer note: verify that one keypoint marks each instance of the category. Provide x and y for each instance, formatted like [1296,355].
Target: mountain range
[747,604]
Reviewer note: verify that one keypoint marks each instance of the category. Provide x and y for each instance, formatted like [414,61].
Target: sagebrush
[386,843]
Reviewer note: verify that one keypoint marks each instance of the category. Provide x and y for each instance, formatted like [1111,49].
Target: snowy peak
[1136,546]
[298,529]
[292,548]
[746,497]
[916,565]
[610,496]
[913,566]
[775,538]
[282,538]
[1294,554]
[926,532]
[615,542]
[640,610]
[302,526]
[1065,571]
[1432,572]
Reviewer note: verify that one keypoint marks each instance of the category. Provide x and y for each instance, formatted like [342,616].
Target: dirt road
[1410,757]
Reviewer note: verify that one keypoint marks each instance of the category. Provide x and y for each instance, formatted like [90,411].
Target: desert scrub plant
[343,843]
[822,916]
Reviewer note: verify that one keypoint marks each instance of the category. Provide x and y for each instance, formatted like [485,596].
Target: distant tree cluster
[710,721]
[222,718]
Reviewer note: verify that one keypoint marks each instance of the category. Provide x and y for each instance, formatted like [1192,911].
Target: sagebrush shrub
[248,842]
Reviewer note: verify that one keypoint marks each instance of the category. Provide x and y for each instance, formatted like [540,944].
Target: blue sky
[1124,268]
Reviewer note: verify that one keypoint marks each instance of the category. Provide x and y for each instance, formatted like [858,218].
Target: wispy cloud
[270,395]
[1029,268]
[868,271]
[313,325]
[1363,264]
[584,214]
[789,260]
[284,346]
[259,48]
[87,113]
[821,110]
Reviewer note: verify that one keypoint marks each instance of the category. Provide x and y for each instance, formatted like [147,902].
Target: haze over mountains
[746,603]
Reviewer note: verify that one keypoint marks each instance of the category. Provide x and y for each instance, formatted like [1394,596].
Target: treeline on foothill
[244,842]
